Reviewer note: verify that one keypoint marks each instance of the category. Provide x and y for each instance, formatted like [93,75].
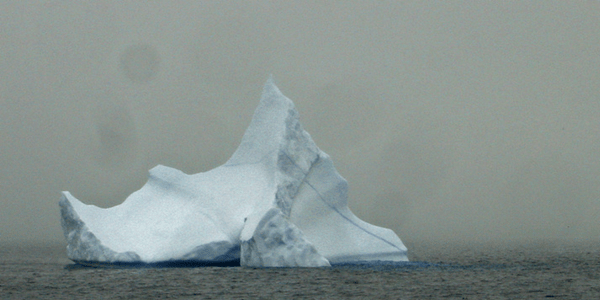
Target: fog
[451,120]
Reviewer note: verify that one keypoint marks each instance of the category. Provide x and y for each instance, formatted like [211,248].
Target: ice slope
[278,201]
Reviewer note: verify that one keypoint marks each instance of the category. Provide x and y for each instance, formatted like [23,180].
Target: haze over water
[450,120]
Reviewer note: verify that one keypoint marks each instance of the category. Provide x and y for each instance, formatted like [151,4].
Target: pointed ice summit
[278,201]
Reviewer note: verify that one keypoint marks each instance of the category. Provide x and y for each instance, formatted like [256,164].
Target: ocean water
[543,269]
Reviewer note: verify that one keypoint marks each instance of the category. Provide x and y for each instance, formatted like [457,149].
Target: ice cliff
[278,201]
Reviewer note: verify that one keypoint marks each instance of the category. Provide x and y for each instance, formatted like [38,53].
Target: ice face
[278,201]
[275,242]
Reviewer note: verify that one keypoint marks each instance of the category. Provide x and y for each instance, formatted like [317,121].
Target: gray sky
[451,120]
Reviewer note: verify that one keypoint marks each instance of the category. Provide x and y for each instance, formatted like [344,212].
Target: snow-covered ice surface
[278,201]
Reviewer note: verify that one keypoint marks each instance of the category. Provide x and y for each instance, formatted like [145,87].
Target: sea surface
[523,270]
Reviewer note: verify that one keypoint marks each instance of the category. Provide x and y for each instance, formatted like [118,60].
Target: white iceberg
[278,201]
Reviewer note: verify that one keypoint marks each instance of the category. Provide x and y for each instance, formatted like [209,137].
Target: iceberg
[277,202]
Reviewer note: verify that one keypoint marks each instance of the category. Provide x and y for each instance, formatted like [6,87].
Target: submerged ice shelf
[278,201]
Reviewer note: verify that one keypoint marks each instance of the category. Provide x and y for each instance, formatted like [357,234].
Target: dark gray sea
[536,270]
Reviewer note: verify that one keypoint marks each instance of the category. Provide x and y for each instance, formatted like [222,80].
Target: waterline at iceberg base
[277,202]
